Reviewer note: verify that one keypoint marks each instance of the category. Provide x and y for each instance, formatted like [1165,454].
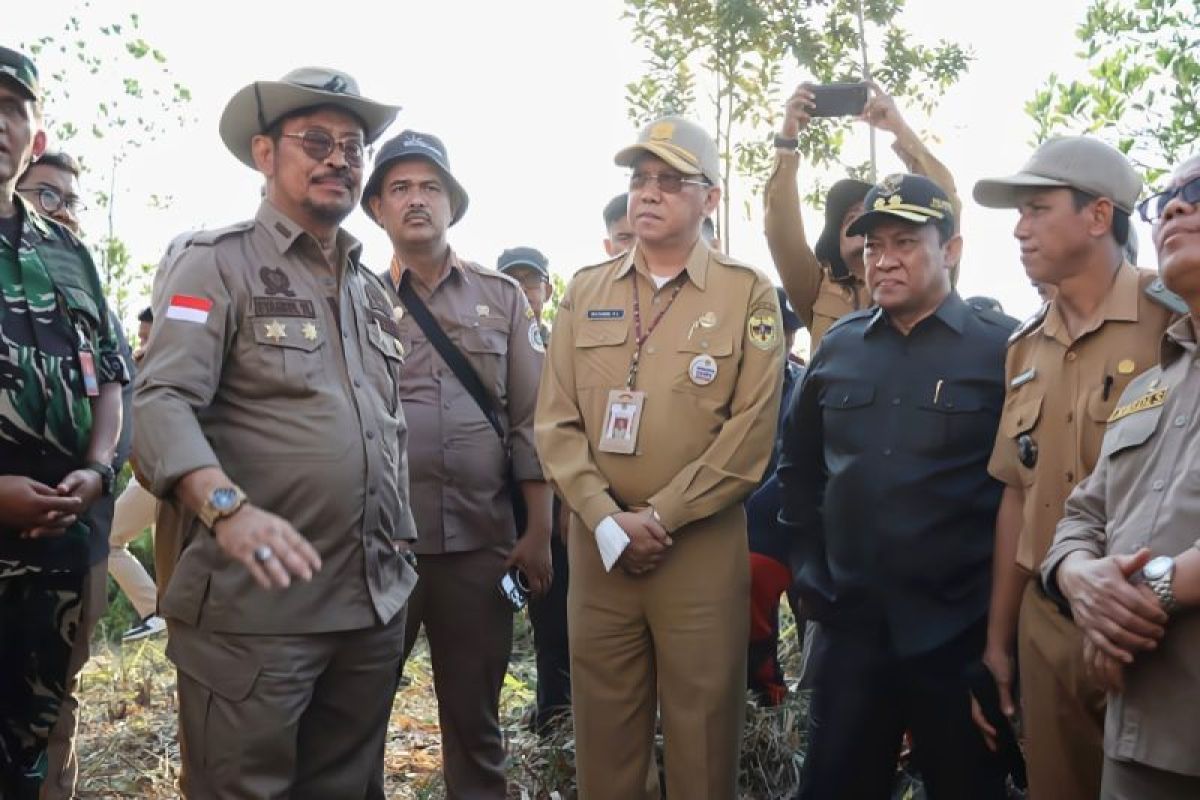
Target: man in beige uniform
[1127,554]
[1065,369]
[461,471]
[826,282]
[656,418]
[267,420]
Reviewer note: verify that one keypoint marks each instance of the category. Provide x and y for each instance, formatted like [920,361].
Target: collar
[33,226]
[453,266]
[953,313]
[1178,340]
[696,267]
[284,232]
[1119,305]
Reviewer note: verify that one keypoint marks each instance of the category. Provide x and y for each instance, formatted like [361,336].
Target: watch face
[223,499]
[1158,567]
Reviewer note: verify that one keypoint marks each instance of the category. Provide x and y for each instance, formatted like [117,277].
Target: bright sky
[529,97]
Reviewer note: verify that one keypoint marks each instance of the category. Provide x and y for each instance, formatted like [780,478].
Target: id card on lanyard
[623,413]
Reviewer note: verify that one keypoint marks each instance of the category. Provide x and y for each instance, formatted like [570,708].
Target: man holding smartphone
[825,281]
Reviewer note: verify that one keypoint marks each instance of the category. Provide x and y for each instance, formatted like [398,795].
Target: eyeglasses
[319,145]
[668,182]
[1152,207]
[51,201]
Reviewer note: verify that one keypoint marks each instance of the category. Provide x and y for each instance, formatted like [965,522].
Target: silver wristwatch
[1159,575]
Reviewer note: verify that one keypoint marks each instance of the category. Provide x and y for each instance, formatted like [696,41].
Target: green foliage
[91,56]
[1143,59]
[734,52]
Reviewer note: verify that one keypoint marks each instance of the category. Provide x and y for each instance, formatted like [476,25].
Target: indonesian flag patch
[186,308]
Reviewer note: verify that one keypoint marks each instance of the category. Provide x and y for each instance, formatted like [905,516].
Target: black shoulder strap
[453,357]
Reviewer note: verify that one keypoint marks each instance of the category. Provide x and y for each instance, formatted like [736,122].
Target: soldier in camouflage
[60,416]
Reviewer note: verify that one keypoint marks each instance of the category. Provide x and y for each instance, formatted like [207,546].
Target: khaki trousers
[135,511]
[63,768]
[1063,710]
[469,627]
[301,717]
[674,639]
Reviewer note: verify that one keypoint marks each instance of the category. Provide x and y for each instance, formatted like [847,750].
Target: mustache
[342,175]
[417,213]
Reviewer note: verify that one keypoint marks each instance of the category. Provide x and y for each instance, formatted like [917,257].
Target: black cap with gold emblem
[912,198]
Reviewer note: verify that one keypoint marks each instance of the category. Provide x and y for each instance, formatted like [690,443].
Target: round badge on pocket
[703,370]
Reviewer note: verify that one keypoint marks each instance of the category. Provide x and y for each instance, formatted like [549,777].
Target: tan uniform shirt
[1145,492]
[702,446]
[459,468]
[253,370]
[1061,391]
[818,299]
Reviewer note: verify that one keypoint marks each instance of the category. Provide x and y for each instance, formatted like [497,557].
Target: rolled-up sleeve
[797,265]
[194,322]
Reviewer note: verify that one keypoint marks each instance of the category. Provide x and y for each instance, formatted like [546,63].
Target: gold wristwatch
[222,502]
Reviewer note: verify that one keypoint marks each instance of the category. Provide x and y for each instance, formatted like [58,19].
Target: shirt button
[357,383]
[371,491]
[1158,485]
[656,299]
[1180,421]
[345,333]
[887,451]
[1070,477]
[370,434]
[650,349]
[895,401]
[1071,356]
[1070,416]
[446,404]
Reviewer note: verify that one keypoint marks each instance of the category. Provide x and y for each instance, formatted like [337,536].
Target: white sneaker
[150,626]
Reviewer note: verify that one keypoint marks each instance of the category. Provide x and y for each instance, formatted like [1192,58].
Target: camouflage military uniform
[52,309]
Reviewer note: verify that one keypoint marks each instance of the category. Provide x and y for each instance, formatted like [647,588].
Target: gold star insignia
[276,330]
[309,330]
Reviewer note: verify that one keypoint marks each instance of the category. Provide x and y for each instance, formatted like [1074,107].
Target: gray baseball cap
[1074,162]
[681,143]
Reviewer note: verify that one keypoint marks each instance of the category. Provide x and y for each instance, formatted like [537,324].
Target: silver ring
[263,554]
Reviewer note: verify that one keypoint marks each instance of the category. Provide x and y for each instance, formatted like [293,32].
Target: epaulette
[488,272]
[208,238]
[1159,293]
[729,261]
[618,257]
[1030,324]
[862,313]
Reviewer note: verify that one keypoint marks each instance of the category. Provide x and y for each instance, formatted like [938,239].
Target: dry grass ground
[127,744]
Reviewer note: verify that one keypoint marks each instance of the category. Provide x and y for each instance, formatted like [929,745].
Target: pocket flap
[288,333]
[601,334]
[1022,416]
[485,340]
[713,344]
[847,394]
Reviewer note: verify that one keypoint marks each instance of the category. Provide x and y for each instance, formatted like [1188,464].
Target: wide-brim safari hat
[259,105]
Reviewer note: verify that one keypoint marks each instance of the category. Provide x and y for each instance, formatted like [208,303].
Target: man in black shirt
[886,492]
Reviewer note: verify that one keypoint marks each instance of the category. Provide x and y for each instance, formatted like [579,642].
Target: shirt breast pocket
[706,367]
[600,357]
[289,362]
[958,420]
[1021,416]
[847,415]
[487,349]
[389,361]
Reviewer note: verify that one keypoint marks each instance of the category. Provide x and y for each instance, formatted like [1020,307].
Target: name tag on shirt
[1022,379]
[606,313]
[622,418]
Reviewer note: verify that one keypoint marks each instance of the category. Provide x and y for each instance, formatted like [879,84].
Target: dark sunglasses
[319,145]
[1152,207]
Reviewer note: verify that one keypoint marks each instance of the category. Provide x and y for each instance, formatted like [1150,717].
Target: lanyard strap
[639,337]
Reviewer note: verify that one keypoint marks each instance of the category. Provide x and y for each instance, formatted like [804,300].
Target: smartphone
[838,99]
[514,588]
[983,687]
